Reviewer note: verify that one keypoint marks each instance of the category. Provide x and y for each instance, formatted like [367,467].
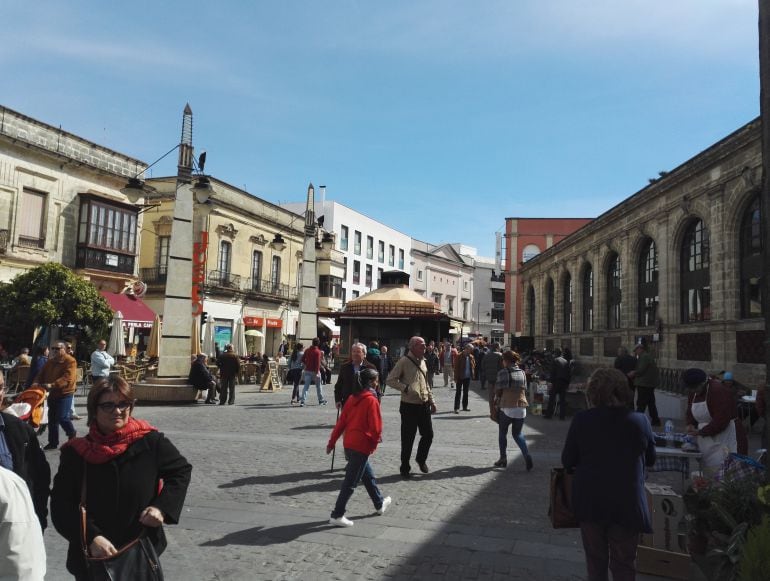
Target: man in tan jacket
[409,376]
[58,376]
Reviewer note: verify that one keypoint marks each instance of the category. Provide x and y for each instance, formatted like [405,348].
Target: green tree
[50,295]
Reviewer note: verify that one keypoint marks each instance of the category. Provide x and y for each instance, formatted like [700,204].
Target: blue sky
[439,118]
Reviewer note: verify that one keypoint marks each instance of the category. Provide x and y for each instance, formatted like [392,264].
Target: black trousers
[415,417]
[227,391]
[462,386]
[558,388]
[645,398]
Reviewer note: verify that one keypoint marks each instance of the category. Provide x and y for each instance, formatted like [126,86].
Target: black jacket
[200,377]
[29,462]
[117,492]
[344,386]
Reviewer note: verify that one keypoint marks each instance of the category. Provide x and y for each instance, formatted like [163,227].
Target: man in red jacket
[361,422]
[311,363]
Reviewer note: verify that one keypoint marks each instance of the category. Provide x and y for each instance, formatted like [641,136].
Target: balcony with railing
[224,279]
[106,260]
[31,242]
[270,289]
[154,276]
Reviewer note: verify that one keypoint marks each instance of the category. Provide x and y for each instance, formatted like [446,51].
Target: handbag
[136,560]
[560,509]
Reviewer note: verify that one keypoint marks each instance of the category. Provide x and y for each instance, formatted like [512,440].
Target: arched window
[614,292]
[648,284]
[531,312]
[529,252]
[751,261]
[550,308]
[695,277]
[256,270]
[567,303]
[588,298]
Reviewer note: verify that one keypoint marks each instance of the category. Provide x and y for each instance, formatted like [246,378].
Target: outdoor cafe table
[675,460]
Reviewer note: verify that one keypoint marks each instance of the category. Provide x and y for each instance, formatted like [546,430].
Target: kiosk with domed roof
[391,315]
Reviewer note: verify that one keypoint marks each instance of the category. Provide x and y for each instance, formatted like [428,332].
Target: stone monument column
[307,330]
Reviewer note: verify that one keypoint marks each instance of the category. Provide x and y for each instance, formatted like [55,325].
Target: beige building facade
[249,254]
[678,264]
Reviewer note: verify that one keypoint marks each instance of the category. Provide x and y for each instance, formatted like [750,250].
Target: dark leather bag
[135,561]
[560,509]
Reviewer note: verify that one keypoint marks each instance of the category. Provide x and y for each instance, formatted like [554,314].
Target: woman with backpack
[511,405]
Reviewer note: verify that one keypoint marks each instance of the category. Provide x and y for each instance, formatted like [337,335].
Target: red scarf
[96,448]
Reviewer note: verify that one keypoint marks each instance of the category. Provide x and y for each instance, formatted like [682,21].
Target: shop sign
[253,321]
[199,272]
[274,323]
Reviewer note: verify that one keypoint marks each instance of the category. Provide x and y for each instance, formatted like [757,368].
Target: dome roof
[392,299]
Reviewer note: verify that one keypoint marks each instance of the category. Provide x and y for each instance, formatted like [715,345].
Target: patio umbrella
[195,337]
[239,338]
[153,344]
[208,338]
[117,347]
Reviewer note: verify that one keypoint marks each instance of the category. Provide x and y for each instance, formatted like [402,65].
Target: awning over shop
[135,312]
[329,324]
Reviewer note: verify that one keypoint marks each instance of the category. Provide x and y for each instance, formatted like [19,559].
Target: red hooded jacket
[361,421]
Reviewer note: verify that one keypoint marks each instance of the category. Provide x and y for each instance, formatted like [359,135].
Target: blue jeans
[307,377]
[59,411]
[358,469]
[503,421]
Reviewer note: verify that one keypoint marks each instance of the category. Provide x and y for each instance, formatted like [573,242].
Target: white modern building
[488,306]
[368,247]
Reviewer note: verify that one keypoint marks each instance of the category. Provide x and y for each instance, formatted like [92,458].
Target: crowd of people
[123,480]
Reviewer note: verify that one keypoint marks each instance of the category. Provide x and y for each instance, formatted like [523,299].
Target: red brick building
[526,238]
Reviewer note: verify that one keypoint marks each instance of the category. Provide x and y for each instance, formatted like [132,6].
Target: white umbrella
[208,338]
[239,338]
[117,347]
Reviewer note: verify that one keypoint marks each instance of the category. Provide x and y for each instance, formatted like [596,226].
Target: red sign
[253,321]
[199,272]
[274,323]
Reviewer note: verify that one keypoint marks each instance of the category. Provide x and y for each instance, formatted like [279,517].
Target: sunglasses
[109,406]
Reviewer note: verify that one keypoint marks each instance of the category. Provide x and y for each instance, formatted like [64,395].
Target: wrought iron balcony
[106,260]
[29,242]
[155,275]
[497,277]
[270,289]
[224,279]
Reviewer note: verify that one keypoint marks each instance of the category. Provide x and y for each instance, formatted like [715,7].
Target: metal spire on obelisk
[307,330]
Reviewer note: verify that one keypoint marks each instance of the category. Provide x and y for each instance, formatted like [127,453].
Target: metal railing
[224,279]
[270,288]
[156,275]
[30,242]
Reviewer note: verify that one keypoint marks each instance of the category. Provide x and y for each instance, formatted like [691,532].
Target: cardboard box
[667,515]
[663,563]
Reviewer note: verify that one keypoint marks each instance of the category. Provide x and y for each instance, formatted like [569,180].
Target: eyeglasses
[109,406]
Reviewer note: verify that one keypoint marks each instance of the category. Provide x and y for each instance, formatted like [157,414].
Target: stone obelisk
[177,303]
[307,330]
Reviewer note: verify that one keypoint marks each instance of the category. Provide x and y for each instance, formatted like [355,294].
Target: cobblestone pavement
[262,491]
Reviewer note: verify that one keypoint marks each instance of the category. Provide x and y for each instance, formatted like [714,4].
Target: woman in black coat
[607,447]
[124,461]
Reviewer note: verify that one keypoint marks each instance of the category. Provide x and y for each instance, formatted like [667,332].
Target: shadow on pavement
[316,427]
[259,536]
[275,479]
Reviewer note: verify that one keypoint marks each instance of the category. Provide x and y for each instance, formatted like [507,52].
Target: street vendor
[711,417]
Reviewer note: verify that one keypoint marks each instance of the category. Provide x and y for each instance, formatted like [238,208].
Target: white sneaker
[75,417]
[385,504]
[341,522]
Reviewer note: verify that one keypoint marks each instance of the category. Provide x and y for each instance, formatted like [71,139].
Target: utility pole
[764,112]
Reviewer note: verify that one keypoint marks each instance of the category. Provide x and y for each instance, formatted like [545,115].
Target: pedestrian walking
[409,376]
[361,424]
[511,405]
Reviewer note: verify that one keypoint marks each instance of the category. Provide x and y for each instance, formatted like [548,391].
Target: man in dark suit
[348,376]
[386,364]
[20,452]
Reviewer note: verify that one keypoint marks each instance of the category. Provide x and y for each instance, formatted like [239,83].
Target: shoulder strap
[83,541]
[419,368]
